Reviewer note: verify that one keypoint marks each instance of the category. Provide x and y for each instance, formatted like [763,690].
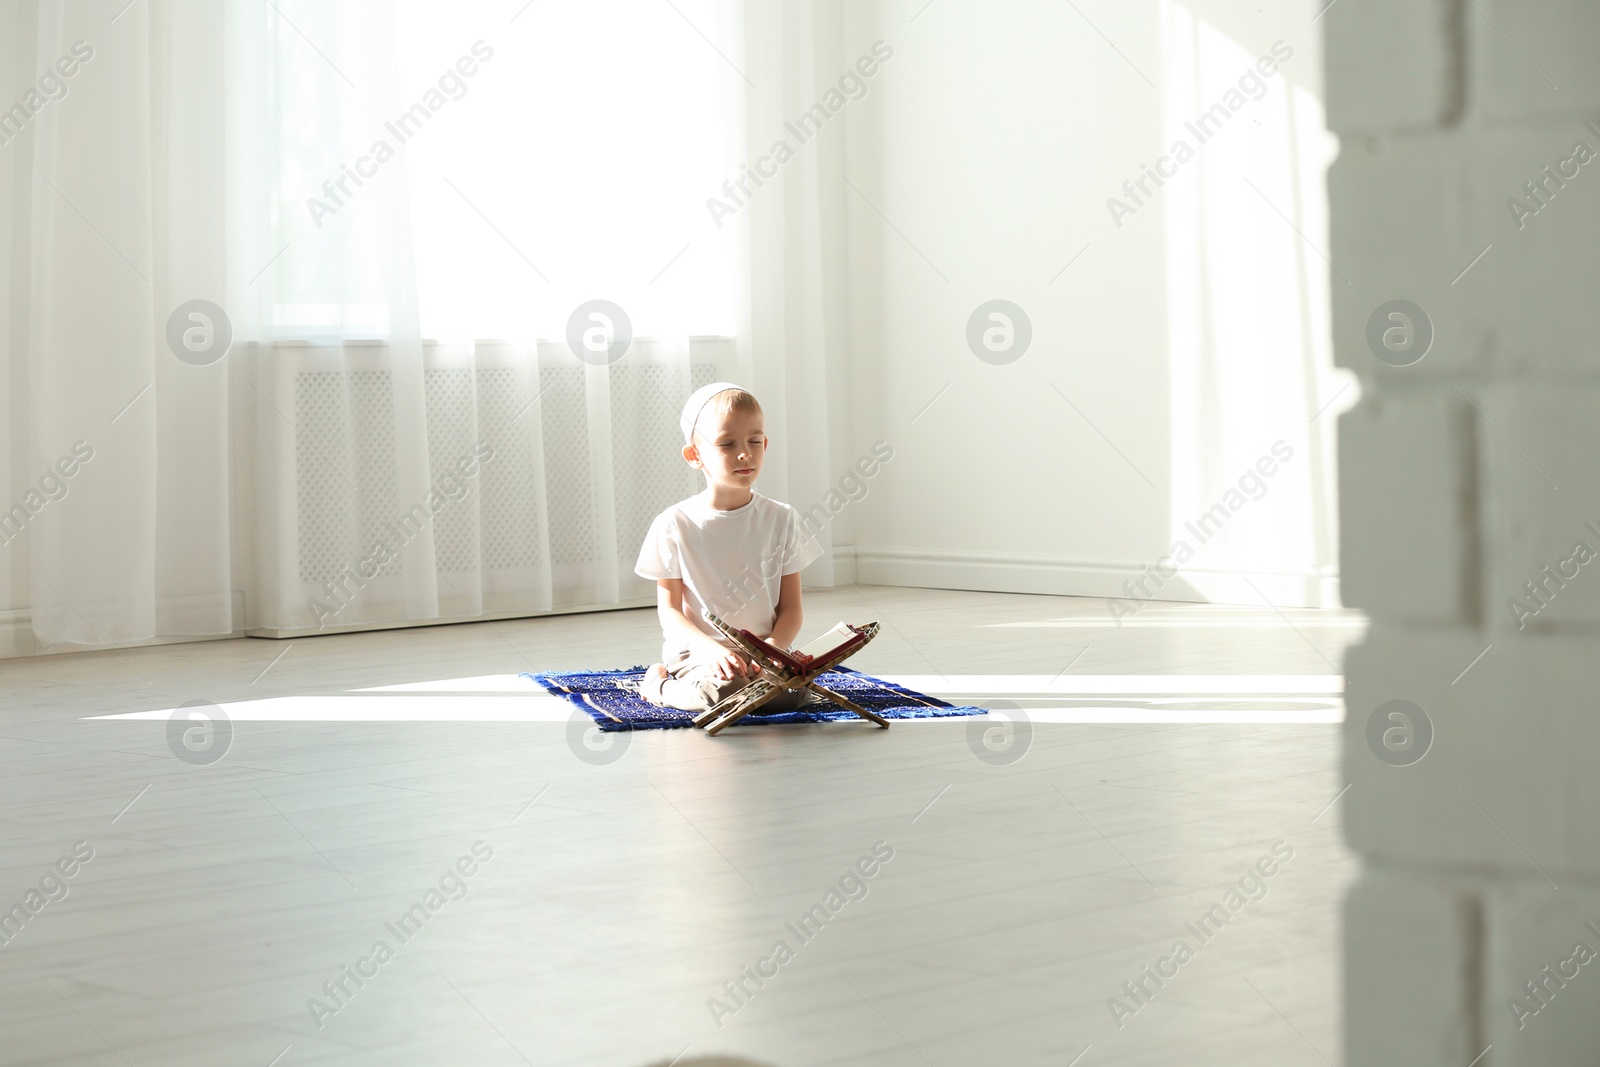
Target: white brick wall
[1463,477]
[1542,495]
[1554,40]
[1433,204]
[1405,472]
[1508,783]
[1388,66]
[1533,936]
[1422,936]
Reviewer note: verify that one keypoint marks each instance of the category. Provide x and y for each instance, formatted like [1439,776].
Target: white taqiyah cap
[697,401]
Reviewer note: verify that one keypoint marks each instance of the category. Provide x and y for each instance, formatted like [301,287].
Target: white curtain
[1247,298]
[399,430]
[113,177]
[791,330]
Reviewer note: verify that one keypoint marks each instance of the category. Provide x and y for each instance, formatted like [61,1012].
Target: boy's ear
[691,455]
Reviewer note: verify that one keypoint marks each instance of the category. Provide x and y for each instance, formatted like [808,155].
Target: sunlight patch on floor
[1113,698]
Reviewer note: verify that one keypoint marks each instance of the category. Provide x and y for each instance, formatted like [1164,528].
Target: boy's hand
[730,663]
[725,662]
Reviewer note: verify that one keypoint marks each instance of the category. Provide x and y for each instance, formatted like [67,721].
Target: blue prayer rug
[612,699]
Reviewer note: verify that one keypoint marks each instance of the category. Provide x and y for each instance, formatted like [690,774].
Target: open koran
[835,640]
[832,647]
[782,670]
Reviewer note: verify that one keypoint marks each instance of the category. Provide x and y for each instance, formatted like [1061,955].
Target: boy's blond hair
[721,405]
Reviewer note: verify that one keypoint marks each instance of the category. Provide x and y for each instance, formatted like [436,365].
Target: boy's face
[731,450]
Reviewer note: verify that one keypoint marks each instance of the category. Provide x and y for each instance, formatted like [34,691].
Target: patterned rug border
[657,718]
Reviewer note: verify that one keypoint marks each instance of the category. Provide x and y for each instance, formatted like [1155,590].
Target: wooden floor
[617,890]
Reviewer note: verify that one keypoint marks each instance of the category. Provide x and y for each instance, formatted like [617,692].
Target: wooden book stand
[781,671]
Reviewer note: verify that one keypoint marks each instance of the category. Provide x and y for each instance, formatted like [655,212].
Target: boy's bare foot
[650,685]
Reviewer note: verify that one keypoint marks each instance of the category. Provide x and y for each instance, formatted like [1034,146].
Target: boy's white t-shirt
[731,562]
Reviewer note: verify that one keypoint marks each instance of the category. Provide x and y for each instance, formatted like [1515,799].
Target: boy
[728,550]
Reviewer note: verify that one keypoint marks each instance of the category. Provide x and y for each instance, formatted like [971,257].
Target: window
[573,163]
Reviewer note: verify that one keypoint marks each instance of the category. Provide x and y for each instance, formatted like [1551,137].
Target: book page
[828,641]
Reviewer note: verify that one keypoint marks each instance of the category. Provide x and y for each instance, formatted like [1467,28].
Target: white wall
[988,148]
